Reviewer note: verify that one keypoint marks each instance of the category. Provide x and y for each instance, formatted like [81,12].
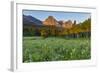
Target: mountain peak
[50,21]
[51,17]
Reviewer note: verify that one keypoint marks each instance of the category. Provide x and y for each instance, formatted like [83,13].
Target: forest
[80,30]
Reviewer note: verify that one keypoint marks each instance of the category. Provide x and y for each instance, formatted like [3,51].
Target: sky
[65,16]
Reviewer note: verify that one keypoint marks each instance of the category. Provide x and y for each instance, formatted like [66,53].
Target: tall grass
[37,49]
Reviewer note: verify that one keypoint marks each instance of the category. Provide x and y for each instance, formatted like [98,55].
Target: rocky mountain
[51,21]
[67,24]
[29,20]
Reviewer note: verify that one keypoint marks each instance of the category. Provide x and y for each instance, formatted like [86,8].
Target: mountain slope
[29,20]
[51,21]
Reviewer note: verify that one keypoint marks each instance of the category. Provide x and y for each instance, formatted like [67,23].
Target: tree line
[79,30]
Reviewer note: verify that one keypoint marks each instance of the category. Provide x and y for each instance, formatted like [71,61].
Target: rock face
[67,24]
[51,21]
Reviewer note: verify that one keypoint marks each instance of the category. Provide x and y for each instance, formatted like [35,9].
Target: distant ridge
[29,20]
[49,21]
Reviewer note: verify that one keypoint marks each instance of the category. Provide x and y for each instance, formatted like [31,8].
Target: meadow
[38,49]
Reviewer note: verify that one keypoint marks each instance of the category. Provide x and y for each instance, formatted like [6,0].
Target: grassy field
[36,49]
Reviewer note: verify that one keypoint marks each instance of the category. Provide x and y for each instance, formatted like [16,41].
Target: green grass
[36,49]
